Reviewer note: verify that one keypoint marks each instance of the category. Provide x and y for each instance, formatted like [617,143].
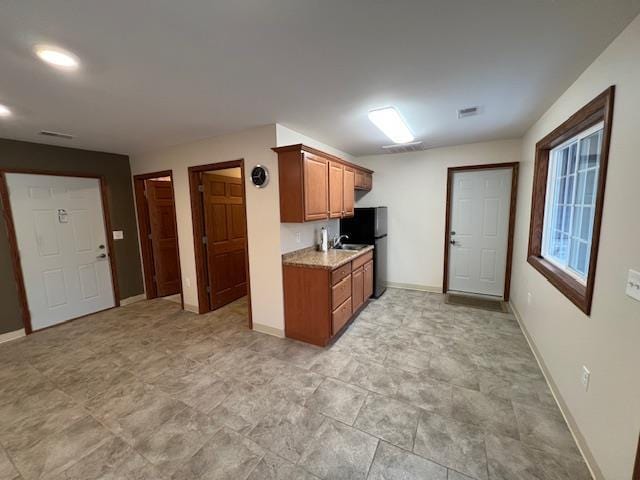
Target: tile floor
[415,389]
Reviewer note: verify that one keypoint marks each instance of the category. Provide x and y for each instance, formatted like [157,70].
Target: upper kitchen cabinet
[315,185]
[364,180]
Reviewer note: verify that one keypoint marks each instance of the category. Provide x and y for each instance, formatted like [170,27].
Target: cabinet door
[349,192]
[357,288]
[316,198]
[368,279]
[336,187]
[359,179]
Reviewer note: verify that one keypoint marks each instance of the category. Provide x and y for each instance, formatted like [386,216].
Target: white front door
[63,246]
[479,231]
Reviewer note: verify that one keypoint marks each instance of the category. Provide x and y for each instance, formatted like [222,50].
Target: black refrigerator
[369,225]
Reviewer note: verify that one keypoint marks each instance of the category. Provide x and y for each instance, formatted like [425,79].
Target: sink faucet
[337,240]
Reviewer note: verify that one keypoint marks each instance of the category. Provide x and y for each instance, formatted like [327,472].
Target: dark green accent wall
[117,173]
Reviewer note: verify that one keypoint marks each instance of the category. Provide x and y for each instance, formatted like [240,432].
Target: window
[568,196]
[570,202]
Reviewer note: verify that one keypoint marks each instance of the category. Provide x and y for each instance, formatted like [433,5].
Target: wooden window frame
[600,109]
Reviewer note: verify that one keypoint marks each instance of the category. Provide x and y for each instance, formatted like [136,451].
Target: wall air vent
[404,147]
[468,112]
[48,133]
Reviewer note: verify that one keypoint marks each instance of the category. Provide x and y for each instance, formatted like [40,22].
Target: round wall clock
[260,176]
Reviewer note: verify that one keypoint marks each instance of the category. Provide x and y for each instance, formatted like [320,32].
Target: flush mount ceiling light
[57,57]
[389,121]
[4,111]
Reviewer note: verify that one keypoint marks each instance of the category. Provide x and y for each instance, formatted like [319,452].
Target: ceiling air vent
[48,133]
[468,112]
[404,147]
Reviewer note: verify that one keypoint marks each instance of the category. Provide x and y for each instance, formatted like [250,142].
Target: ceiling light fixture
[389,121]
[4,111]
[57,57]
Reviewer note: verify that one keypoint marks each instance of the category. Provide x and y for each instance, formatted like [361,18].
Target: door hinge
[201,188]
[208,289]
[204,240]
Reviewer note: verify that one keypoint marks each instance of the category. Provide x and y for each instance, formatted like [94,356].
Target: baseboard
[7,337]
[588,457]
[134,299]
[413,286]
[276,332]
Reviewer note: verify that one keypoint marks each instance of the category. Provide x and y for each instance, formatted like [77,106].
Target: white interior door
[479,231]
[63,246]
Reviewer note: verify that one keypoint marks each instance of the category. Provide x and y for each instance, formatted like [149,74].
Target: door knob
[452,232]
[452,242]
[102,255]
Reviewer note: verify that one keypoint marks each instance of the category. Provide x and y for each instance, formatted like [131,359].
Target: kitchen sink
[351,246]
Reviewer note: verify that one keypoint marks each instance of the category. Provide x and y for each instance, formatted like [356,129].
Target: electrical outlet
[529,297]
[584,378]
[298,237]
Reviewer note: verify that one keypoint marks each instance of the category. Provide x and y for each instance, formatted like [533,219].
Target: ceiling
[162,72]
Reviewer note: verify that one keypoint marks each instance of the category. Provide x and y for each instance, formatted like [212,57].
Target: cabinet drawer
[341,291]
[339,273]
[362,259]
[341,316]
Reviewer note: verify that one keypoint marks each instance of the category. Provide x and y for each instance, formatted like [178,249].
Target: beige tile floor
[415,389]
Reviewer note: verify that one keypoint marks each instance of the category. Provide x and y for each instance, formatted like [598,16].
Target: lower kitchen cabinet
[320,302]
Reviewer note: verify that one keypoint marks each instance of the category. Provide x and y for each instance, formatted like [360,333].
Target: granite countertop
[310,257]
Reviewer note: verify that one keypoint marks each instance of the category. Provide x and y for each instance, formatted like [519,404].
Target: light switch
[633,285]
[118,234]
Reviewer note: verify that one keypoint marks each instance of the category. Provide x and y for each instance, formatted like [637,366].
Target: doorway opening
[218,206]
[155,204]
[59,233]
[479,225]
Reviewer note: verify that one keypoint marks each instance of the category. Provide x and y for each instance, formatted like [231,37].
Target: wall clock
[260,176]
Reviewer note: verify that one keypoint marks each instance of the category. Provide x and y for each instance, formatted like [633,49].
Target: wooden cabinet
[368,279]
[319,303]
[363,180]
[315,185]
[349,197]
[336,190]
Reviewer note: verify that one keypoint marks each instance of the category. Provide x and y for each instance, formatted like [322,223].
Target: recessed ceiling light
[57,57]
[389,121]
[4,111]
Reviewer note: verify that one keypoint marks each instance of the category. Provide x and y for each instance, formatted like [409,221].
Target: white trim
[414,286]
[562,406]
[276,332]
[136,298]
[7,337]
[191,308]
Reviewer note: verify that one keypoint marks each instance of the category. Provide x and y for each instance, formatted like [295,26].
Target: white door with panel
[62,240]
[479,232]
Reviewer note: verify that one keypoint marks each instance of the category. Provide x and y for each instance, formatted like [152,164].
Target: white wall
[607,417]
[413,186]
[307,233]
[263,214]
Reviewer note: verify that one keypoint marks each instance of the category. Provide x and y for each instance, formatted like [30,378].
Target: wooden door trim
[636,470]
[13,239]
[197,217]
[144,229]
[512,218]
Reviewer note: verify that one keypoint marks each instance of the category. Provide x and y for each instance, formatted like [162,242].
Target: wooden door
[336,189]
[368,280]
[349,192]
[316,198]
[357,288]
[164,239]
[226,237]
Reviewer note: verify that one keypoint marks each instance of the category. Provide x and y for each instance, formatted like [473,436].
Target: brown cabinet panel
[341,291]
[357,288]
[339,273]
[349,199]
[336,189]
[341,316]
[363,180]
[362,259]
[316,192]
[368,279]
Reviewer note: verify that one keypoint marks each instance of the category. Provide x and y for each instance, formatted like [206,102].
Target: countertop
[310,257]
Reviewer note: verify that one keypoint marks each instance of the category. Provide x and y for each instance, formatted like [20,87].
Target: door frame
[512,218]
[144,229]
[13,240]
[197,217]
